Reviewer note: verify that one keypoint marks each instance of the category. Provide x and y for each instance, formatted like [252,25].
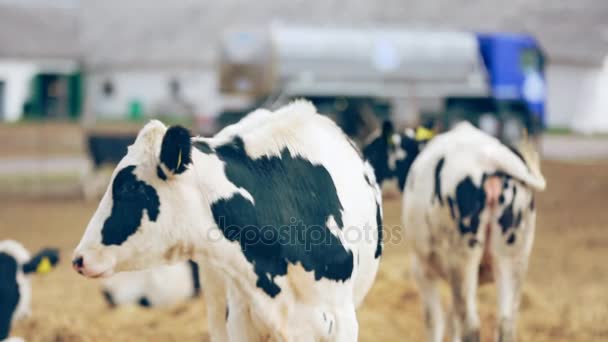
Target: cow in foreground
[279,210]
[16,268]
[469,214]
[154,287]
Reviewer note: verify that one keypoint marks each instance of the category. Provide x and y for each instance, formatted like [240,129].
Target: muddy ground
[566,295]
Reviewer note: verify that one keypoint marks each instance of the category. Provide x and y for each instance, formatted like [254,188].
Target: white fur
[441,251]
[305,309]
[162,286]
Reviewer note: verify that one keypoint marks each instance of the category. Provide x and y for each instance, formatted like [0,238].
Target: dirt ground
[565,299]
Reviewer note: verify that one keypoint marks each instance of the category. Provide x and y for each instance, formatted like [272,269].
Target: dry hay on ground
[566,296]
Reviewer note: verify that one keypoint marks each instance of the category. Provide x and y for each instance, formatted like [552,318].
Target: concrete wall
[151,88]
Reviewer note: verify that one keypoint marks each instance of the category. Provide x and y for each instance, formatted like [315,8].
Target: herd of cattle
[283,215]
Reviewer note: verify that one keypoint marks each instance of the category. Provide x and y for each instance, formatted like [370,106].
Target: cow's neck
[217,251]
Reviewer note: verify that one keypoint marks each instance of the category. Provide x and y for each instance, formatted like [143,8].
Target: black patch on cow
[438,169]
[532,204]
[511,239]
[293,201]
[501,198]
[51,254]
[130,198]
[380,232]
[196,280]
[144,302]
[160,173]
[509,219]
[412,149]
[377,154]
[109,298]
[470,201]
[175,149]
[473,242]
[367,180]
[451,204]
[203,147]
[9,292]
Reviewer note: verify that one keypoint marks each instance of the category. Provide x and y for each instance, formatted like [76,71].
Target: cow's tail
[522,163]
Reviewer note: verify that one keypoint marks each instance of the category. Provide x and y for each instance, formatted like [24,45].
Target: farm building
[165,59]
[39,63]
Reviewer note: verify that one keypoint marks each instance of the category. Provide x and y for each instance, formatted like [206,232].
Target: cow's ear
[43,262]
[175,150]
[387,131]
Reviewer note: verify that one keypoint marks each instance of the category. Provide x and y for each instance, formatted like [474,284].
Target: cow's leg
[510,264]
[509,279]
[347,326]
[510,274]
[241,326]
[215,298]
[428,286]
[464,318]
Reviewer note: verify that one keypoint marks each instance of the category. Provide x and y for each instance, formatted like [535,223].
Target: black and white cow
[154,287]
[280,211]
[468,212]
[16,267]
[392,153]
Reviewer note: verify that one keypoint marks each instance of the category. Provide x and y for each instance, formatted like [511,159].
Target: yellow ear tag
[179,159]
[423,133]
[44,266]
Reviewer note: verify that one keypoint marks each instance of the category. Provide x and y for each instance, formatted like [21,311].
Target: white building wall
[594,117]
[571,90]
[16,76]
[150,87]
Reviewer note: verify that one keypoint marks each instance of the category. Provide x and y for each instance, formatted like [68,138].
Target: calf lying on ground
[158,286]
[279,210]
[16,267]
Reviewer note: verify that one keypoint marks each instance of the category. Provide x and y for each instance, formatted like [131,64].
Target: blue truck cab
[515,64]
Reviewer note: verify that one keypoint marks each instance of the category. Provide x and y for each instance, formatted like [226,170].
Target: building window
[107,88]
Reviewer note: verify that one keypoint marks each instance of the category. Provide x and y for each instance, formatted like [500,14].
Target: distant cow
[279,210]
[154,287]
[469,214]
[16,267]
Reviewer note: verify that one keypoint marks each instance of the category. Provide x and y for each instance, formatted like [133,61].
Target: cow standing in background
[16,268]
[469,214]
[279,210]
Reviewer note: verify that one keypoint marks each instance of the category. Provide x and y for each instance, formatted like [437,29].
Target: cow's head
[392,153]
[146,212]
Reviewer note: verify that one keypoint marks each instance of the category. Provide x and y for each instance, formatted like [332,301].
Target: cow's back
[302,161]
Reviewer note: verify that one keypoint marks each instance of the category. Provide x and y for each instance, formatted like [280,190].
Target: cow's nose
[78,264]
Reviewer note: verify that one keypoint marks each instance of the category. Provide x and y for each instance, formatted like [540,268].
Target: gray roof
[183,32]
[38,32]
[119,33]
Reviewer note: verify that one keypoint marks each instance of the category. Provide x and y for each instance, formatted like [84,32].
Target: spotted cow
[151,287]
[392,153]
[469,215]
[16,268]
[280,211]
